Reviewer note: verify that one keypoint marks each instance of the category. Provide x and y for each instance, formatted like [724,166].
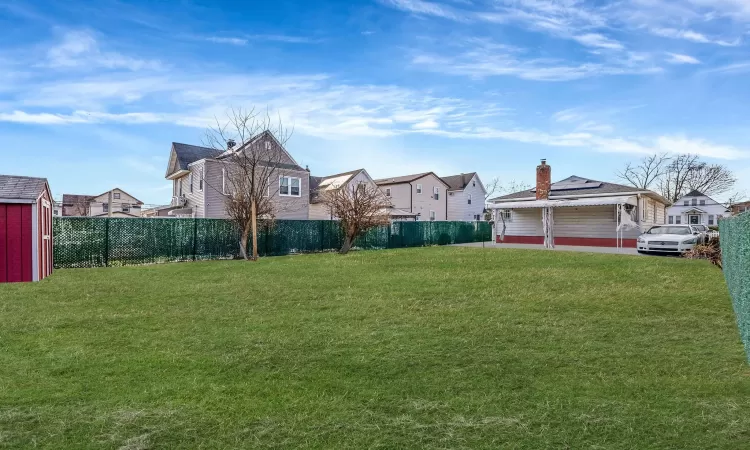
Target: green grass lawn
[414,348]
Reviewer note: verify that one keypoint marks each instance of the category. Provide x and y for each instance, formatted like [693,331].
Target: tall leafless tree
[674,176]
[646,172]
[249,144]
[358,208]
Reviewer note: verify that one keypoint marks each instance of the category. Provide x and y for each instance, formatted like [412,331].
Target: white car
[670,239]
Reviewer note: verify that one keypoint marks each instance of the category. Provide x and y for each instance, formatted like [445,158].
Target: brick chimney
[543,180]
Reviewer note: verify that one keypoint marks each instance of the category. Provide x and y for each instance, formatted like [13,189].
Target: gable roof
[575,185]
[458,182]
[317,182]
[21,188]
[406,179]
[187,154]
[138,202]
[695,193]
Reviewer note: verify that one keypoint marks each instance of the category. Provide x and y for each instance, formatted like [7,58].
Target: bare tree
[674,176]
[249,144]
[646,172]
[492,187]
[82,205]
[358,208]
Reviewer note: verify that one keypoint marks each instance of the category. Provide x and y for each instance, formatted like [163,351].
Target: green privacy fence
[100,242]
[735,251]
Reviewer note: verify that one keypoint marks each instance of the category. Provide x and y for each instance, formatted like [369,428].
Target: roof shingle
[458,182]
[602,188]
[19,187]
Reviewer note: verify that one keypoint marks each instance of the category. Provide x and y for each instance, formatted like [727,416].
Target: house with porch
[696,208]
[576,211]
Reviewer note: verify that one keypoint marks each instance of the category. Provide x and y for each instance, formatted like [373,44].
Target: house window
[432,215]
[419,189]
[387,192]
[671,220]
[710,219]
[695,202]
[468,199]
[686,203]
[703,203]
[507,215]
[289,186]
[436,192]
[268,145]
[116,195]
[200,180]
[56,212]
[677,220]
[191,182]
[125,207]
[105,207]
[477,217]
[224,180]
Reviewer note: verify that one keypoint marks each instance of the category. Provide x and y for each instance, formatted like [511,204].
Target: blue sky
[93,93]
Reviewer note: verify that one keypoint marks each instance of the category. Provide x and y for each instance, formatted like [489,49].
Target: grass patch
[414,348]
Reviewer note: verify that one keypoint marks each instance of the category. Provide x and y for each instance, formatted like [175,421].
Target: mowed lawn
[413,348]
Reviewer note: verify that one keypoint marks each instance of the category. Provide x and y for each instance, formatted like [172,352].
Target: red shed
[25,229]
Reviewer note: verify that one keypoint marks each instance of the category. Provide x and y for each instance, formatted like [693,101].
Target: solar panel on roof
[574,185]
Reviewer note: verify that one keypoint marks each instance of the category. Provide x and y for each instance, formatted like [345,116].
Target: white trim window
[702,203]
[507,215]
[677,220]
[125,207]
[116,195]
[711,219]
[387,192]
[105,207]
[436,193]
[468,196]
[191,182]
[671,220]
[224,180]
[290,186]
[419,189]
[432,215]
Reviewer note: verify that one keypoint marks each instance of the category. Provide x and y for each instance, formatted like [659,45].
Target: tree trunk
[347,245]
[254,214]
[243,243]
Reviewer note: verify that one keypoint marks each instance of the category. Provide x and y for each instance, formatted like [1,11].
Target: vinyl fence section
[735,251]
[102,242]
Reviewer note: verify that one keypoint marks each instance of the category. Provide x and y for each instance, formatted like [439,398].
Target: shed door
[46,247]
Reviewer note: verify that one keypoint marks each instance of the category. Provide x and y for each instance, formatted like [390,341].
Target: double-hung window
[694,202]
[290,186]
[105,207]
[703,203]
[116,195]
[419,189]
[436,192]
[468,199]
[671,220]
[677,220]
[686,203]
[387,192]
[710,219]
[432,215]
[125,207]
[507,215]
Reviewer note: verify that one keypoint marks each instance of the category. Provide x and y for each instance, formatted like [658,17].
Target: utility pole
[109,203]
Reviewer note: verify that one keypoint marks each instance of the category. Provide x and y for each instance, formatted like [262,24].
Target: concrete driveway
[564,248]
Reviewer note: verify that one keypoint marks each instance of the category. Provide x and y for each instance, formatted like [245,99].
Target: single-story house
[576,211]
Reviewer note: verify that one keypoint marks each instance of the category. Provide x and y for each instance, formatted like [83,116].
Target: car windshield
[669,230]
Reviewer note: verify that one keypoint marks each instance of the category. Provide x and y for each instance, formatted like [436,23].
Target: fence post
[106,242]
[195,237]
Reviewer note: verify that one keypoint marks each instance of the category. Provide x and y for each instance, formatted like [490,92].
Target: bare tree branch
[357,208]
[254,170]
[646,172]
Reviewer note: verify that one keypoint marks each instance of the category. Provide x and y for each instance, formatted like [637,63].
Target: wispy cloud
[249,39]
[598,40]
[694,36]
[227,40]
[80,49]
[676,58]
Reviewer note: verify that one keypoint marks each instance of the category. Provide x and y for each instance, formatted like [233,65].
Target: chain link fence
[102,242]
[735,251]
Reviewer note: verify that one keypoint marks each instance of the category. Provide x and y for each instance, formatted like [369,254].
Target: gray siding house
[199,183]
[423,194]
[465,197]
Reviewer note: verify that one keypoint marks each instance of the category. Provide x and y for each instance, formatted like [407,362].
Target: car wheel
[642,252]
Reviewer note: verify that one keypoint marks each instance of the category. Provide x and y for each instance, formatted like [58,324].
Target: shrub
[710,251]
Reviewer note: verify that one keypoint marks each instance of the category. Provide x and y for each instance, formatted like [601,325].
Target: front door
[694,219]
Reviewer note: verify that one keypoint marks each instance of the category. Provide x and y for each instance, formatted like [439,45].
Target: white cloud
[80,49]
[679,144]
[598,40]
[425,8]
[426,125]
[694,36]
[676,58]
[227,40]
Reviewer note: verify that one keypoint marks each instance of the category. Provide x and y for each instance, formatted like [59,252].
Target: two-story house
[466,195]
[696,208]
[347,180]
[113,203]
[200,184]
[423,194]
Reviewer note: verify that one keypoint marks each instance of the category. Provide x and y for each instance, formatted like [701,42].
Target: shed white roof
[591,201]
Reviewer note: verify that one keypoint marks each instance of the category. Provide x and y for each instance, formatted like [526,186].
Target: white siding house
[465,197]
[696,208]
[423,194]
[199,183]
[585,212]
